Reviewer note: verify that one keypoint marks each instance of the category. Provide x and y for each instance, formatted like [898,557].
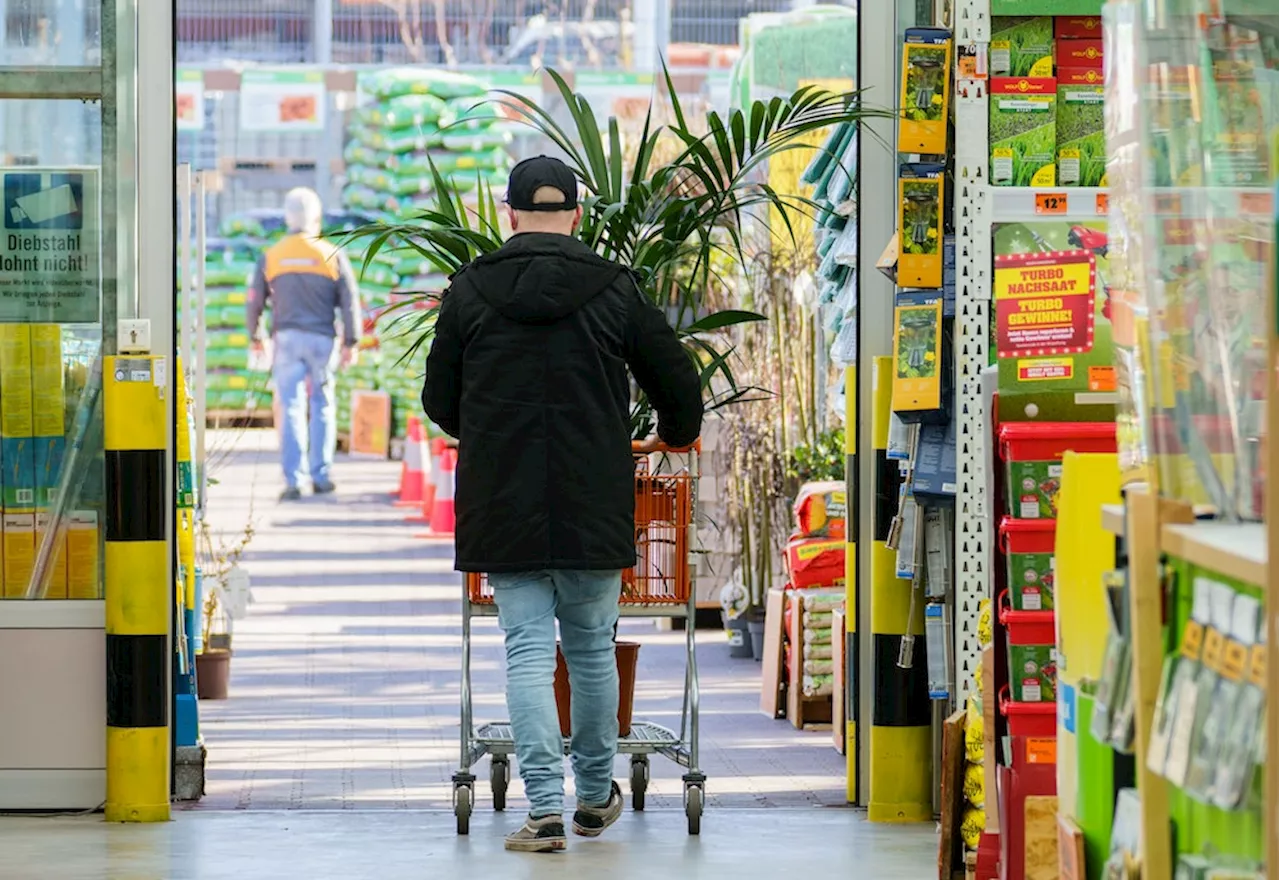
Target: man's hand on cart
[644,447]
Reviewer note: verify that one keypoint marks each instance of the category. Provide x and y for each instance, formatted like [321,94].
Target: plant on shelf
[820,461]
[674,205]
[226,594]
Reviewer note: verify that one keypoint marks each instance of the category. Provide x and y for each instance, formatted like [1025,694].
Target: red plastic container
[1029,719]
[1026,627]
[1028,548]
[1033,452]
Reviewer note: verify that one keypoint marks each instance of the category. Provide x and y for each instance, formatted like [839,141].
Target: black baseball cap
[536,172]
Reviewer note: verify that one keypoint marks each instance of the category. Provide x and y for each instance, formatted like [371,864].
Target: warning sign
[50,270]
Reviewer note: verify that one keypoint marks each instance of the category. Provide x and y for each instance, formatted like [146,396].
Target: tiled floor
[346,673]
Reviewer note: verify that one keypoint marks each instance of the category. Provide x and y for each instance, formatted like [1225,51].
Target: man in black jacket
[529,370]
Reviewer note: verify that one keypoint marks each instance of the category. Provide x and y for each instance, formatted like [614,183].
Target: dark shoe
[591,821]
[324,488]
[538,836]
[291,494]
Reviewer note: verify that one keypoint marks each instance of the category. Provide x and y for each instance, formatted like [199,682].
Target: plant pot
[755,629]
[213,674]
[628,654]
[739,637]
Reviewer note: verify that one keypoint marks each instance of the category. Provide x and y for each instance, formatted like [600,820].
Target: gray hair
[303,211]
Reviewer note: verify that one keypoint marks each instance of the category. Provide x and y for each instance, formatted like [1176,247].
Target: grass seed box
[1024,112]
[1022,46]
[1081,138]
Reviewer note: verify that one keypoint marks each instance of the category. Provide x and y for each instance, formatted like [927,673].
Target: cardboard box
[1077,27]
[1079,54]
[83,567]
[1021,46]
[57,582]
[19,552]
[1023,131]
[1080,128]
[926,91]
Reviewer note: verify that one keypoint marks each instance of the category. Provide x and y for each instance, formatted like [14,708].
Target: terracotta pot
[628,654]
[213,674]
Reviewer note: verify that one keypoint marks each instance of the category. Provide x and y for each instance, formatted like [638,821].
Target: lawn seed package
[1081,141]
[1023,131]
[1021,46]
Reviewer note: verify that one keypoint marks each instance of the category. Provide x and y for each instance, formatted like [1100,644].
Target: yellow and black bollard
[853,779]
[139,598]
[901,741]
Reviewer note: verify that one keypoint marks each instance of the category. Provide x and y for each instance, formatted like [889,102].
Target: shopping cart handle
[646,446]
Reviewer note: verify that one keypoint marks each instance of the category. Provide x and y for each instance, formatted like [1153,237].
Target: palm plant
[672,222]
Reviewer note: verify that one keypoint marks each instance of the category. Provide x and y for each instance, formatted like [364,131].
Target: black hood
[540,277]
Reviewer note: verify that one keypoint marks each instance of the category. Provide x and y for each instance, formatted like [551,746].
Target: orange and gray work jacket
[309,283]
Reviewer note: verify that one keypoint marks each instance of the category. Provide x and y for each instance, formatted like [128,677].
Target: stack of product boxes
[32,446]
[1046,101]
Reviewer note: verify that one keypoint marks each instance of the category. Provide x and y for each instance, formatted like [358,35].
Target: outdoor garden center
[970,572]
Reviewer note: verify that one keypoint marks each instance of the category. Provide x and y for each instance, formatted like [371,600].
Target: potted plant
[226,586]
[675,203]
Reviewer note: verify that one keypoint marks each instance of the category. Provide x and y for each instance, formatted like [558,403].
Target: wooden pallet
[240,418]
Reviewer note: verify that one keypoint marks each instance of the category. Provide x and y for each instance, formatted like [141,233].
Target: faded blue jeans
[300,356]
[586,604]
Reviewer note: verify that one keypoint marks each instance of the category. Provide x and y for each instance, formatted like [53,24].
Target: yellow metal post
[901,742]
[852,666]
[137,584]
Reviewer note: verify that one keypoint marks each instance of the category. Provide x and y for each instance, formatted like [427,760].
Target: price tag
[1042,751]
[1101,204]
[1051,203]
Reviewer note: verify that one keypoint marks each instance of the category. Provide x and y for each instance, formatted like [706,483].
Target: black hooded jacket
[529,371]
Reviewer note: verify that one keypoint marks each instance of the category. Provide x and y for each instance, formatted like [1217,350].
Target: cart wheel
[693,797]
[462,803]
[639,782]
[499,778]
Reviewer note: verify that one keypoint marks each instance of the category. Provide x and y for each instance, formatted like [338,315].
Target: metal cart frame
[645,738]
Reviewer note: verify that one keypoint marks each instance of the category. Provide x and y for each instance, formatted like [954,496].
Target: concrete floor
[370,845]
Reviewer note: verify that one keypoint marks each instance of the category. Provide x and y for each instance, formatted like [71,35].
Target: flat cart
[661,585]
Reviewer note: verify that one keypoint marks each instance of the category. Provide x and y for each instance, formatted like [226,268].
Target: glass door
[71,107]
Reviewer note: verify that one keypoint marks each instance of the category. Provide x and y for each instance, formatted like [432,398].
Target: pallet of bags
[809,651]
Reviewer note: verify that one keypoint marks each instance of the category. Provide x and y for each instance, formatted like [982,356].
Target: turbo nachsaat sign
[1044,304]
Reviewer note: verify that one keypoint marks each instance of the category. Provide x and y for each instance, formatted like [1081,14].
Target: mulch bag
[468,114]
[233,274]
[406,111]
[391,182]
[364,197]
[818,652]
[475,141]
[818,685]
[815,562]
[820,510]
[422,138]
[421,81]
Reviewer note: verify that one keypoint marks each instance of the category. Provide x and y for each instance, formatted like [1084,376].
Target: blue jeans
[586,604]
[300,356]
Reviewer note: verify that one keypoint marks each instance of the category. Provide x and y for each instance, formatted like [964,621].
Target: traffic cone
[442,512]
[412,479]
[423,517]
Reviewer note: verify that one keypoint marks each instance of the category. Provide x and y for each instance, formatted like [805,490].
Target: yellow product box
[921,215]
[17,452]
[57,581]
[19,552]
[917,355]
[926,91]
[83,577]
[48,410]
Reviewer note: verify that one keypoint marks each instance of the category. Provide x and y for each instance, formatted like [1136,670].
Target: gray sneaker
[591,821]
[538,836]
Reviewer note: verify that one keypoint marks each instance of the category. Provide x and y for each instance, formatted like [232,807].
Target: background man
[309,281]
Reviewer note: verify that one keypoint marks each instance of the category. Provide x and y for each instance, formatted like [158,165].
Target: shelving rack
[978,207]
